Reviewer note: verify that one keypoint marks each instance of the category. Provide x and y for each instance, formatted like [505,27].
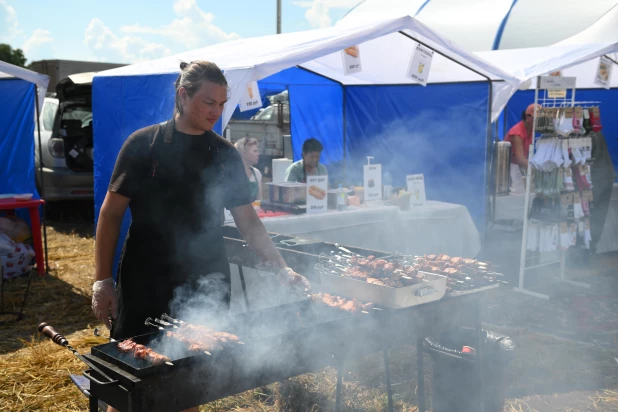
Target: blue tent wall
[17,171]
[438,130]
[608,107]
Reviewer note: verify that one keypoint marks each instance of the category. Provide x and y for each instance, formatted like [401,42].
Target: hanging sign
[351,60]
[420,64]
[317,195]
[604,72]
[251,97]
[557,82]
[372,176]
[416,186]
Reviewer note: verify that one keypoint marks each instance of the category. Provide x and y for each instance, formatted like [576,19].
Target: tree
[13,56]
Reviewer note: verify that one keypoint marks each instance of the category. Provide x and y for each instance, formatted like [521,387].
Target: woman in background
[520,137]
[250,155]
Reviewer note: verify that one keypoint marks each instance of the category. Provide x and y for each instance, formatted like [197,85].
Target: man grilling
[176,178]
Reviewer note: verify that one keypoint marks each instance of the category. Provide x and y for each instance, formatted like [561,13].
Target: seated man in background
[309,165]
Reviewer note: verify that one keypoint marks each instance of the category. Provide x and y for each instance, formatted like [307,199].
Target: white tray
[384,296]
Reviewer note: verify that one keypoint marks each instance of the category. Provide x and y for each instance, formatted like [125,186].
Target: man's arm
[108,230]
[254,232]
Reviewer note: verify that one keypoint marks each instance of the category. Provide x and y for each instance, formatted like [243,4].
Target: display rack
[536,260]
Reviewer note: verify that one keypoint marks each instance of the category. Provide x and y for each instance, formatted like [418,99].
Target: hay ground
[548,374]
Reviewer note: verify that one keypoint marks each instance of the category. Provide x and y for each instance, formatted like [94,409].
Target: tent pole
[44,219]
[345,133]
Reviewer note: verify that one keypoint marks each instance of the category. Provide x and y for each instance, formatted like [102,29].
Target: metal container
[502,167]
[293,193]
[274,192]
[383,296]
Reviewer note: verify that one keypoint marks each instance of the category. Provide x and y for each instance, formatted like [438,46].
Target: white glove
[298,283]
[104,299]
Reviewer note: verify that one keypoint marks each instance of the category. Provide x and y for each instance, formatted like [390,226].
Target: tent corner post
[41,178]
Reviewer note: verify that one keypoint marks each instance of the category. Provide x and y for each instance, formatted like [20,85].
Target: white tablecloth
[436,228]
[512,207]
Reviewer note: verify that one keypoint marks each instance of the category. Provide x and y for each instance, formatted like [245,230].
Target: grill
[279,343]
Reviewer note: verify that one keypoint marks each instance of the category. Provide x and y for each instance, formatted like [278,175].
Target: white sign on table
[251,97]
[317,194]
[373,182]
[416,186]
[351,60]
[604,73]
[420,64]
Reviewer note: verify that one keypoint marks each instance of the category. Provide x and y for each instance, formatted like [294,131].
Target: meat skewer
[142,352]
[347,305]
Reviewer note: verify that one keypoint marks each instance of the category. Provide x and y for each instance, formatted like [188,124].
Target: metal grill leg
[93,404]
[244,287]
[479,355]
[339,383]
[420,374]
[387,372]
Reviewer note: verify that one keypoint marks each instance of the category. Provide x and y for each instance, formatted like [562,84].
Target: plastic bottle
[341,198]
[388,186]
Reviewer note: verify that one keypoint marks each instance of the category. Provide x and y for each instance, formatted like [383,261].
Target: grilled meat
[333,301]
[142,352]
[202,338]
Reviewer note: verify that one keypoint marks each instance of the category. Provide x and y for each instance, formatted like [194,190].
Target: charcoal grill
[280,342]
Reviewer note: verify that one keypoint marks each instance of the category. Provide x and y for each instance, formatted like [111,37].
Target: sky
[130,31]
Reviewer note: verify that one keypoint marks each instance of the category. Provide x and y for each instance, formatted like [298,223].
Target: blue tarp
[608,107]
[438,130]
[17,171]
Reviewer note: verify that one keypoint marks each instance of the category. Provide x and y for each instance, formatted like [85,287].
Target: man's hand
[297,283]
[104,299]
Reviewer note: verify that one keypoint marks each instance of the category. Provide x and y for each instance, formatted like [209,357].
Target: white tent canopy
[385,56]
[578,60]
[8,70]
[480,25]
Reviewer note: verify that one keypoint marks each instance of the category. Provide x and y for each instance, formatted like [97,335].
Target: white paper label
[74,153]
[351,60]
[604,72]
[317,194]
[420,64]
[557,82]
[251,97]
[372,175]
[227,216]
[556,93]
[416,186]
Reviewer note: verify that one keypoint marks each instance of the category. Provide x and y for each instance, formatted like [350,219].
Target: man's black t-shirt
[178,187]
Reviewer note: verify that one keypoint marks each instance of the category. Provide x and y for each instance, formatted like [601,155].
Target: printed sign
[604,72]
[373,182]
[317,194]
[227,216]
[420,64]
[351,60]
[416,186]
[251,97]
[557,83]
[556,93]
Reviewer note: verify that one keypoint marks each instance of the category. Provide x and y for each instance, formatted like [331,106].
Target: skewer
[171,319]
[164,323]
[149,322]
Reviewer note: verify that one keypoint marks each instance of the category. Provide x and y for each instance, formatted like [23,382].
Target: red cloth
[519,130]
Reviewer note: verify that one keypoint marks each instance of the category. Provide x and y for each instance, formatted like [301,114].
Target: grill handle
[59,339]
[91,378]
[51,333]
